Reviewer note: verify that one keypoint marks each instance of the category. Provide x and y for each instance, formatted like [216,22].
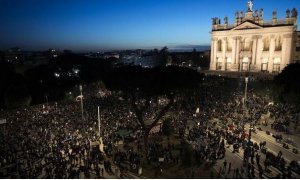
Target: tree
[145,87]
[167,127]
[164,55]
[169,61]
[187,157]
[16,94]
[7,72]
[286,85]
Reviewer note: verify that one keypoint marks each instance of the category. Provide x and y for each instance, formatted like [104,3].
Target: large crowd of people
[53,141]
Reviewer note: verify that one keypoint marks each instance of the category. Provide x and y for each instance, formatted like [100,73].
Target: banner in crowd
[2,121]
[156,129]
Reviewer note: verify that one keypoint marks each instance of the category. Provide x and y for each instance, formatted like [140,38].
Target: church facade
[252,44]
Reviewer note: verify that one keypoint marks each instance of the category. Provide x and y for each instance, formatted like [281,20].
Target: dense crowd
[55,142]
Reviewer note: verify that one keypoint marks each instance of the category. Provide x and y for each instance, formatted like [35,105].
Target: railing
[279,22]
[264,23]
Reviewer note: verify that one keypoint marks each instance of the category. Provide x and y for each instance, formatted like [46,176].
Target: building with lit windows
[253,44]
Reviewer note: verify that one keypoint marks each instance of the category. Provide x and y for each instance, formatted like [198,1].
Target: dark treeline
[286,86]
[52,82]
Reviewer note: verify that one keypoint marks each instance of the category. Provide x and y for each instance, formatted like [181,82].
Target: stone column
[271,53]
[237,54]
[254,50]
[259,49]
[286,51]
[233,53]
[213,54]
[224,49]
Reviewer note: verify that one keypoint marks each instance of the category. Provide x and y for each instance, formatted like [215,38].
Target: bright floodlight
[56,74]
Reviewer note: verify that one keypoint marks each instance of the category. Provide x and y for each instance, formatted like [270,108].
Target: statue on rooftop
[213,21]
[274,14]
[287,14]
[236,15]
[241,14]
[225,20]
[256,13]
[294,13]
[250,4]
[261,13]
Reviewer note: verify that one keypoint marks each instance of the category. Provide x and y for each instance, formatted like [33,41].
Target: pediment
[247,25]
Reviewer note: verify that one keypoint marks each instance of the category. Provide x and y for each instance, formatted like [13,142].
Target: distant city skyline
[119,24]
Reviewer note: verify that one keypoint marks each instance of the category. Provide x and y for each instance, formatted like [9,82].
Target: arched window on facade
[228,62]
[264,64]
[276,64]
[278,43]
[266,42]
[229,45]
[247,45]
[219,45]
[219,64]
[245,64]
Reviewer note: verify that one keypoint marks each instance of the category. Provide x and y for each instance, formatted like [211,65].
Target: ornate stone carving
[272,36]
[256,36]
[287,35]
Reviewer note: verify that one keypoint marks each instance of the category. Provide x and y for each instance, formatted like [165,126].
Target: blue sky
[118,24]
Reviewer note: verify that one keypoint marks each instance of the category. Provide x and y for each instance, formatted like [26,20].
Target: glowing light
[56,75]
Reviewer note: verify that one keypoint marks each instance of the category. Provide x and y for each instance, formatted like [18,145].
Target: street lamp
[99,125]
[245,105]
[47,101]
[81,100]
[246,81]
[245,111]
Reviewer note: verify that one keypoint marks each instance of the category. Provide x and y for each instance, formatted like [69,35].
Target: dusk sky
[118,24]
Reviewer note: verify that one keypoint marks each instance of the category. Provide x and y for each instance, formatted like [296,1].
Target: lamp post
[99,125]
[245,111]
[246,81]
[81,100]
[47,101]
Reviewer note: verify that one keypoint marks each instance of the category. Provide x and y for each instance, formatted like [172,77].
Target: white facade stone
[253,44]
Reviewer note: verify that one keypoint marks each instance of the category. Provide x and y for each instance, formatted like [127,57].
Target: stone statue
[225,20]
[261,13]
[241,14]
[256,13]
[236,15]
[250,4]
[275,14]
[294,13]
[288,12]
[213,21]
